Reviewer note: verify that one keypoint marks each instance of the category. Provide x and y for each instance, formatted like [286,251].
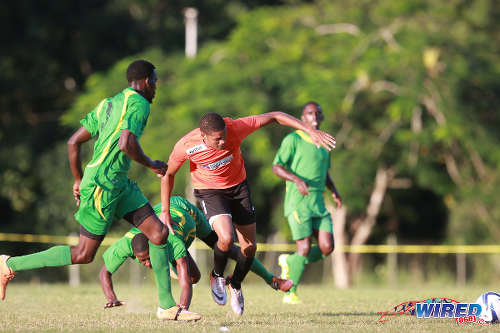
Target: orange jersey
[211,168]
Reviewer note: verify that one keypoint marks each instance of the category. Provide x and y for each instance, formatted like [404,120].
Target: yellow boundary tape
[264,247]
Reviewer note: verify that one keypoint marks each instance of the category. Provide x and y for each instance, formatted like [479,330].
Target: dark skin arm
[184,282]
[107,288]
[75,163]
[283,173]
[319,138]
[335,194]
[130,146]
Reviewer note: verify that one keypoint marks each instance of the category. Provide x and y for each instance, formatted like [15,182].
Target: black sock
[243,265]
[220,261]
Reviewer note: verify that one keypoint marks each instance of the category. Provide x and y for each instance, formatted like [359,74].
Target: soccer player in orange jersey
[219,180]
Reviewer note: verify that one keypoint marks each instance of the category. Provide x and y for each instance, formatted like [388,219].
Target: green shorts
[303,226]
[99,207]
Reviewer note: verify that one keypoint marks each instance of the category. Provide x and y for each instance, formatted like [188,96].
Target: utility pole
[191,22]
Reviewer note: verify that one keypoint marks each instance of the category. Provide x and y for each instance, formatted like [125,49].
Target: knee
[159,238]
[249,250]
[225,242]
[82,258]
[326,249]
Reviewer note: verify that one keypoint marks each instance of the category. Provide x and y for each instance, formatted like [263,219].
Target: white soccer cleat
[237,300]
[218,286]
[177,313]
[285,270]
[6,274]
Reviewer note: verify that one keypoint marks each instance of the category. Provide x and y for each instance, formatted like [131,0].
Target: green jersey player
[188,222]
[104,192]
[304,166]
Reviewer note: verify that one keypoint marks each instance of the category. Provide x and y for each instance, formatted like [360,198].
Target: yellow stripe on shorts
[296,217]
[97,201]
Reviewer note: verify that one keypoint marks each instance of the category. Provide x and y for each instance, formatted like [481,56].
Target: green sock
[159,260]
[297,265]
[315,254]
[261,271]
[53,257]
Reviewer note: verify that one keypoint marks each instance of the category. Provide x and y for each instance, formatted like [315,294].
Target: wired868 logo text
[437,308]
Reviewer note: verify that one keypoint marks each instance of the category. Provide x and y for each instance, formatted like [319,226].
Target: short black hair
[139,69]
[140,243]
[312,103]
[212,122]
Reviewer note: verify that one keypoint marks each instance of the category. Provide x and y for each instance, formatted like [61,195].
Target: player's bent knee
[249,251]
[225,243]
[159,238]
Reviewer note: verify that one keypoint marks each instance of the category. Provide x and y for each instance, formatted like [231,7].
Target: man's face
[216,139]
[143,258]
[312,116]
[150,87]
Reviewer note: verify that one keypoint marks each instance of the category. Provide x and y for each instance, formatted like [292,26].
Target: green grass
[57,307]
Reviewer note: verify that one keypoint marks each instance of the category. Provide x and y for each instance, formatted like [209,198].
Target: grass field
[57,307]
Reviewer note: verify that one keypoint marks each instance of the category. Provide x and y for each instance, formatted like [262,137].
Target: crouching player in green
[189,222]
[305,169]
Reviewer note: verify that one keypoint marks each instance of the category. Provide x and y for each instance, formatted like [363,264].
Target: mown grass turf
[57,307]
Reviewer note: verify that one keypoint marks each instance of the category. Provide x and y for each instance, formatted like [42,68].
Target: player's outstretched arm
[107,288]
[320,138]
[75,163]
[184,282]
[130,145]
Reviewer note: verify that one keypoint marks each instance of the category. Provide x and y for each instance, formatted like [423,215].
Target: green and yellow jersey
[109,166]
[299,155]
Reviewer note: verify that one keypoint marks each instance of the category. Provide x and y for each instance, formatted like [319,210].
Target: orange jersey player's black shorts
[234,201]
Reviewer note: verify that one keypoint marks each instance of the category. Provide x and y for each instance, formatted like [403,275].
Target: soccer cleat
[218,286]
[237,300]
[281,284]
[177,313]
[285,270]
[291,298]
[6,274]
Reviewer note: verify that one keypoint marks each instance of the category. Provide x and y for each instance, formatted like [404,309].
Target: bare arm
[107,288]
[129,145]
[335,194]
[320,138]
[167,184]
[184,282]
[283,173]
[75,163]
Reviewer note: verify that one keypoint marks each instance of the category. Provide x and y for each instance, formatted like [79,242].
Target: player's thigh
[323,229]
[300,225]
[223,226]
[97,209]
[133,205]
[246,234]
[240,201]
